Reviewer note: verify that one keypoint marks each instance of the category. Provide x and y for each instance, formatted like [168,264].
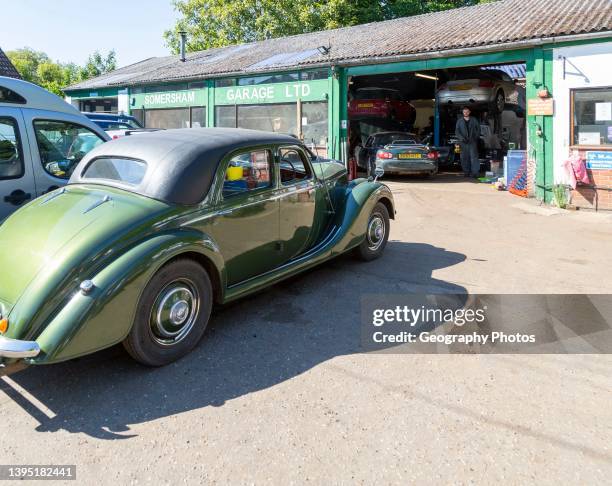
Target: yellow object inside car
[234,173]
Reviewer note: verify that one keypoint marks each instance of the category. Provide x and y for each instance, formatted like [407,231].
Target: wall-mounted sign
[272,93]
[169,99]
[599,160]
[540,106]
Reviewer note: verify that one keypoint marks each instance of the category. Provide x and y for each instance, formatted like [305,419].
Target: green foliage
[38,68]
[26,61]
[217,23]
[98,64]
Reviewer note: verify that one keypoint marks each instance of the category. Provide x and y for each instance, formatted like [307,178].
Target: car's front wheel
[172,314]
[377,234]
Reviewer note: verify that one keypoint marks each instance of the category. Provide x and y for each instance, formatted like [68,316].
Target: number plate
[365,105]
[409,156]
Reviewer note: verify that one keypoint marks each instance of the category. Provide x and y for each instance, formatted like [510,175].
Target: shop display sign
[603,111]
[599,160]
[540,106]
[589,138]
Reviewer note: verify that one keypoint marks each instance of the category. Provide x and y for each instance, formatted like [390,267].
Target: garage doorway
[424,106]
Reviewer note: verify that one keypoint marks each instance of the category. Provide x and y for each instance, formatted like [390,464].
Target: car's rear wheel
[377,234]
[172,314]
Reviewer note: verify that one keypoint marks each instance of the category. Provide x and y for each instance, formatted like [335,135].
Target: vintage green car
[153,230]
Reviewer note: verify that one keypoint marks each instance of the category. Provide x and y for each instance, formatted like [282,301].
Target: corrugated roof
[6,67]
[499,22]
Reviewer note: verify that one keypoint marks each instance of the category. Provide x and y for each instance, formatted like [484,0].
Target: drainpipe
[183,35]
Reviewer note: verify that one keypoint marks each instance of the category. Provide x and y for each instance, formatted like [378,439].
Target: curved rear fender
[104,317]
[360,200]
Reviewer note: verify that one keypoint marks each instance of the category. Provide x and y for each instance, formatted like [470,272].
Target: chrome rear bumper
[14,348]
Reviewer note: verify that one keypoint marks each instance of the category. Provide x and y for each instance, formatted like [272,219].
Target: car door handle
[17,197]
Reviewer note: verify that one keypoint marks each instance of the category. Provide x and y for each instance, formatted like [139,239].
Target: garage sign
[540,106]
[272,93]
[170,99]
[599,160]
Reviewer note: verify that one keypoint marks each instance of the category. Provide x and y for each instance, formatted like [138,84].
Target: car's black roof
[181,163]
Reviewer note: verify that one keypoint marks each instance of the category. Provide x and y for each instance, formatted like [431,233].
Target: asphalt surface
[280,392]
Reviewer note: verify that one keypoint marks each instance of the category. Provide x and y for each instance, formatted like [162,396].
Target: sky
[71,30]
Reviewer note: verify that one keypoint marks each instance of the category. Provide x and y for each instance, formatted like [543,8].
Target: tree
[36,67]
[217,23]
[98,64]
[26,61]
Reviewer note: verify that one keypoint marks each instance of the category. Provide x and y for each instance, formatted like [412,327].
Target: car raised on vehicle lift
[152,230]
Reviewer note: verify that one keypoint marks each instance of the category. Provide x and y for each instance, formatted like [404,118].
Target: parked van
[42,139]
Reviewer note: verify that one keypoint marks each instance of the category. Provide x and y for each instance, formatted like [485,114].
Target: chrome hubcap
[376,232]
[179,312]
[174,312]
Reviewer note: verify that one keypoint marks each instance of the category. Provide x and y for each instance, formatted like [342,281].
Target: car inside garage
[422,108]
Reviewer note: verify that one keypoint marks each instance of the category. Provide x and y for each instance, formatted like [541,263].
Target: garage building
[556,52]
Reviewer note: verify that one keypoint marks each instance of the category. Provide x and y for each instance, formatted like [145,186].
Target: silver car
[490,87]
[407,157]
[42,139]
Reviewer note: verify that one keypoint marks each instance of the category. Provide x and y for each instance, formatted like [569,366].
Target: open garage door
[424,106]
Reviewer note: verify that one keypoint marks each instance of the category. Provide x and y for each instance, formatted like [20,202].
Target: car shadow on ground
[439,178]
[253,344]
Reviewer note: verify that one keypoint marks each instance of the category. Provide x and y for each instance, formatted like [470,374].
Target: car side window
[248,171]
[293,167]
[62,145]
[369,141]
[11,159]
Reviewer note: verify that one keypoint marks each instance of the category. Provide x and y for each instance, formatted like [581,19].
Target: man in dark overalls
[467,131]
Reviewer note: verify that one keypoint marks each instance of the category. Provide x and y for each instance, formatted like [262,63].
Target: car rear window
[126,171]
[376,94]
